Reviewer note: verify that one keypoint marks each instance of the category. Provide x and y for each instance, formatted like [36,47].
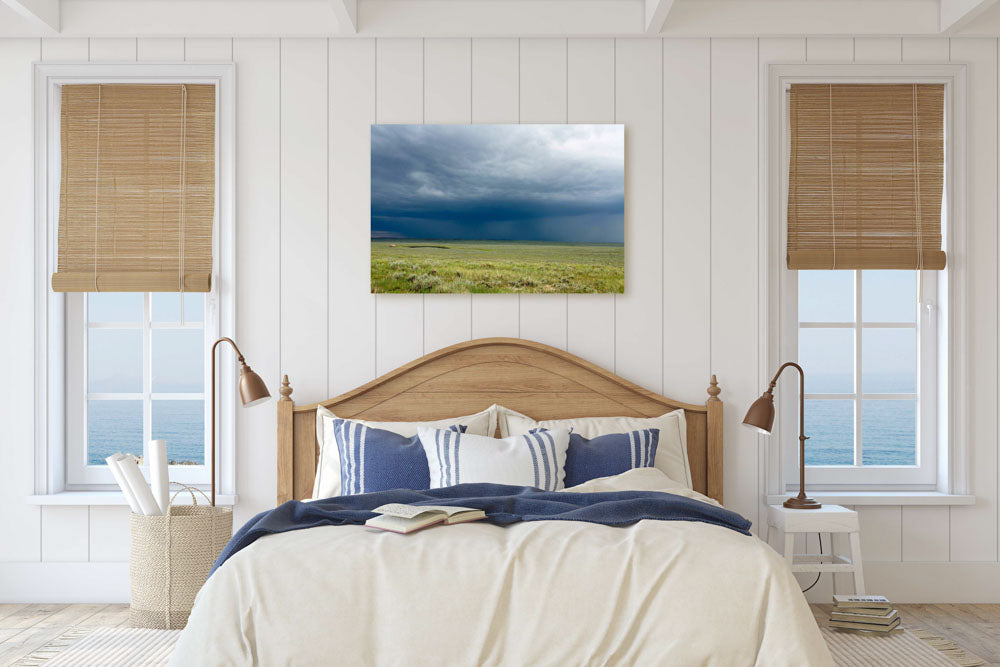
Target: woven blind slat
[137,193]
[866,176]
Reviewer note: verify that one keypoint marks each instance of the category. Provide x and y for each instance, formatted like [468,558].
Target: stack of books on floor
[864,613]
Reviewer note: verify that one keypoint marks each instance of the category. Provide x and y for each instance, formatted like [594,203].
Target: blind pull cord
[180,244]
[833,205]
[97,189]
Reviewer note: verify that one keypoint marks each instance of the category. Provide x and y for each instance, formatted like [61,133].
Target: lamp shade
[252,388]
[760,416]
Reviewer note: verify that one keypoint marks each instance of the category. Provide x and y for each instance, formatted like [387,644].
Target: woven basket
[170,559]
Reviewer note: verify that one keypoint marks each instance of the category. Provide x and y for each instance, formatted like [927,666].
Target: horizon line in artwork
[497,208]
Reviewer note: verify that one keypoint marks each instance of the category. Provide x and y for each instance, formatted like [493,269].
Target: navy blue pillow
[610,454]
[372,459]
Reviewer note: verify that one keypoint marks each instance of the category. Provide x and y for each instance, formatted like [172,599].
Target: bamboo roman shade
[866,176]
[137,193]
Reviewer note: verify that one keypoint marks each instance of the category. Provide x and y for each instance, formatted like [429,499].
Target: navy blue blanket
[503,505]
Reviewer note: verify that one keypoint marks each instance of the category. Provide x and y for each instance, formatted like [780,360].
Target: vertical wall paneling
[400,99]
[687,199]
[64,50]
[64,533]
[735,237]
[495,99]
[974,529]
[925,49]
[639,312]
[590,89]
[258,243]
[113,49]
[19,523]
[352,306]
[447,99]
[830,49]
[155,49]
[304,240]
[208,49]
[878,49]
[881,532]
[924,534]
[776,50]
[543,100]
[109,533]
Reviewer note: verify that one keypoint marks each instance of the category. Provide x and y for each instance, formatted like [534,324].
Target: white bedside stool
[827,519]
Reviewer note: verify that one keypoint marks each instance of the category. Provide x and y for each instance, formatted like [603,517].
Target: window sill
[881,498]
[109,498]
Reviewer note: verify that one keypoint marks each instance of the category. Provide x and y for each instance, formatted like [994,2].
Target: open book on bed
[402,518]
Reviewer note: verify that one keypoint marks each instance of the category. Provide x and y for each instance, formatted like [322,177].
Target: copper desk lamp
[252,391]
[760,417]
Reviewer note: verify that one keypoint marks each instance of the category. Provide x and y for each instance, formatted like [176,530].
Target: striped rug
[100,647]
[914,648]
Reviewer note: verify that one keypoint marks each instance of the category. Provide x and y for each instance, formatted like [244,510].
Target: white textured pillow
[327,482]
[536,459]
[671,452]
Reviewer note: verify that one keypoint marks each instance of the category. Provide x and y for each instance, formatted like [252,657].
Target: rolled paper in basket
[122,483]
[147,503]
[158,474]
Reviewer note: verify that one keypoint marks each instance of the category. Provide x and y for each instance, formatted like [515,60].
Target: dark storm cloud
[504,182]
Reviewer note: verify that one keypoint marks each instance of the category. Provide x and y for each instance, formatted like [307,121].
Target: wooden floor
[26,627]
[974,627]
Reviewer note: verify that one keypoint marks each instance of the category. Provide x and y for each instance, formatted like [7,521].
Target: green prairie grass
[423,267]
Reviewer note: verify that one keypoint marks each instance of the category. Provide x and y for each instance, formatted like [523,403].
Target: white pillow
[536,459]
[671,452]
[327,482]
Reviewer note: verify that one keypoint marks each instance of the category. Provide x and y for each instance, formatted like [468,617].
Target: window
[137,367]
[867,341]
[882,347]
[116,368]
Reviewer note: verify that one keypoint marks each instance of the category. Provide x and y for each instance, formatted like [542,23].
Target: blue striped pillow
[372,459]
[608,455]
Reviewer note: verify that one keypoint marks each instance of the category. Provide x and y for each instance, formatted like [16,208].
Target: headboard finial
[285,390]
[714,389]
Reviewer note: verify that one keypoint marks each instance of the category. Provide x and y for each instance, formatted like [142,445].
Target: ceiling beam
[656,15]
[42,13]
[347,14]
[957,14]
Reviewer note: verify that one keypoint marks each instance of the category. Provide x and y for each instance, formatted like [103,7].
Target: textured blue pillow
[372,459]
[610,454]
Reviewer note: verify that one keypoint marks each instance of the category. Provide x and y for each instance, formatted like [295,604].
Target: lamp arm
[802,421]
[238,353]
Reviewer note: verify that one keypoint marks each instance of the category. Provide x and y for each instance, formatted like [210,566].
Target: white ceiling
[485,18]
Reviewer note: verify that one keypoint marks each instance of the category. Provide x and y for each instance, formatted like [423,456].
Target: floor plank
[974,627]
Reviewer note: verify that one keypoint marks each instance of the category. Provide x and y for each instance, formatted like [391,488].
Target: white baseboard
[944,582]
[64,582]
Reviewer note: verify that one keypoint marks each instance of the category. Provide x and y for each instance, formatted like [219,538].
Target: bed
[545,592]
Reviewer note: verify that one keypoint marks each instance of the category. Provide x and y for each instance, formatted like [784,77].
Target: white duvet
[538,593]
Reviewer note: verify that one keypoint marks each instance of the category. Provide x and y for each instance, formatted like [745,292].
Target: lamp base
[802,504]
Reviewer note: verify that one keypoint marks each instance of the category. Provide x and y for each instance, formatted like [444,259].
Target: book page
[405,511]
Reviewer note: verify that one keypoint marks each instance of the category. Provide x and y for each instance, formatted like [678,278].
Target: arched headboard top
[535,379]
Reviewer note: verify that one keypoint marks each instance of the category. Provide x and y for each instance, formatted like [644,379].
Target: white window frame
[79,474]
[55,311]
[943,303]
[924,473]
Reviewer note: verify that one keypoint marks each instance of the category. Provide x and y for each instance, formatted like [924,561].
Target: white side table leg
[767,540]
[789,547]
[833,555]
[859,575]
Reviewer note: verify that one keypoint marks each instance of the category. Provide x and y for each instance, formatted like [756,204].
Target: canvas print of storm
[497,208]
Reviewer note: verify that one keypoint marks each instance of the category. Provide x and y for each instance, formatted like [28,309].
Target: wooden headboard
[540,381]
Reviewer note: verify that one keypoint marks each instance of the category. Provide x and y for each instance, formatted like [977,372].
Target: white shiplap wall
[692,307]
